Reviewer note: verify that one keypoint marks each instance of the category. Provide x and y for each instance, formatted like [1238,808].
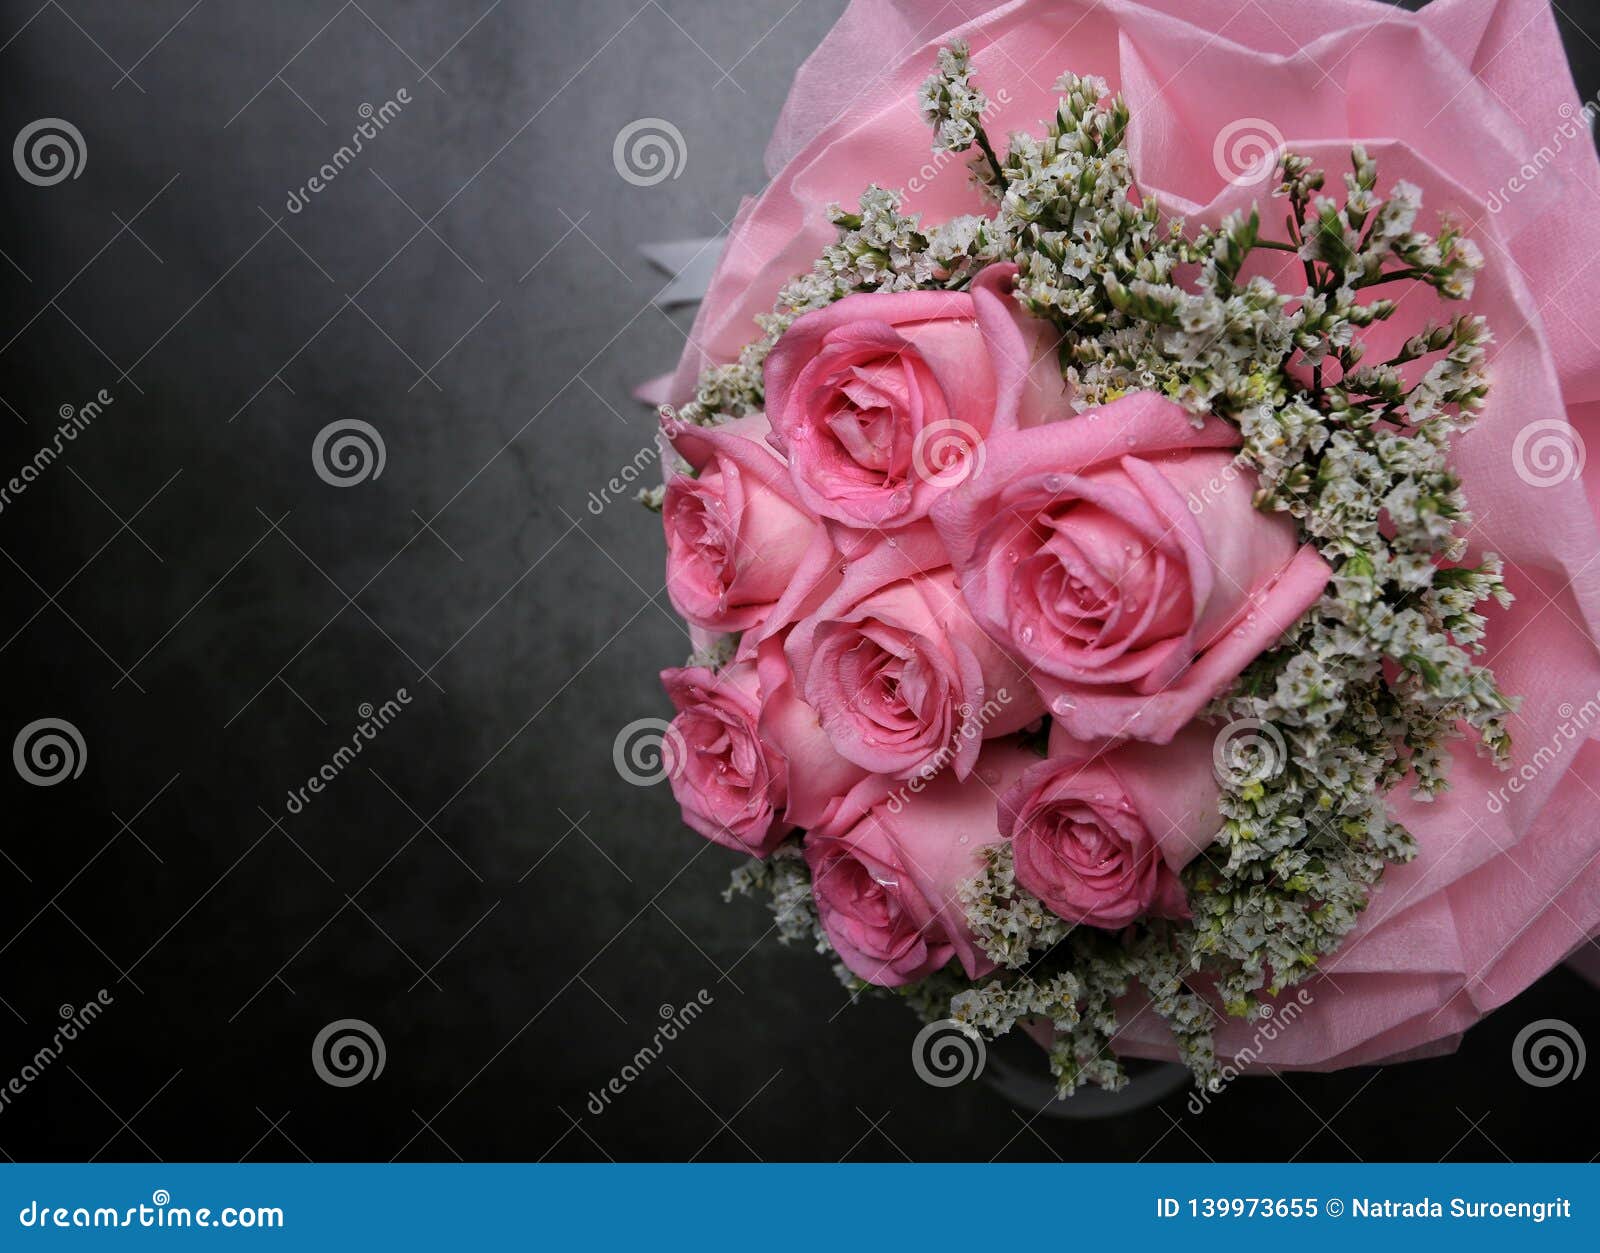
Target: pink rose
[881,399]
[887,887]
[728,783]
[902,677]
[737,535]
[821,785]
[1118,554]
[748,760]
[1101,840]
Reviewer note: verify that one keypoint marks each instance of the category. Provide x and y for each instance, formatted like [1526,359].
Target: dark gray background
[182,587]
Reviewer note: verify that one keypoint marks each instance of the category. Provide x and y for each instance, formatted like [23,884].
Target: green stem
[1391,277]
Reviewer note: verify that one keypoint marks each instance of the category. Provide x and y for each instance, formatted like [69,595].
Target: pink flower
[1100,840]
[737,536]
[887,887]
[881,400]
[1118,554]
[728,784]
[821,785]
[748,760]
[903,679]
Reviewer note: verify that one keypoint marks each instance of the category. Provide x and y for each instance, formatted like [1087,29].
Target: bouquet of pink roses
[1078,545]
